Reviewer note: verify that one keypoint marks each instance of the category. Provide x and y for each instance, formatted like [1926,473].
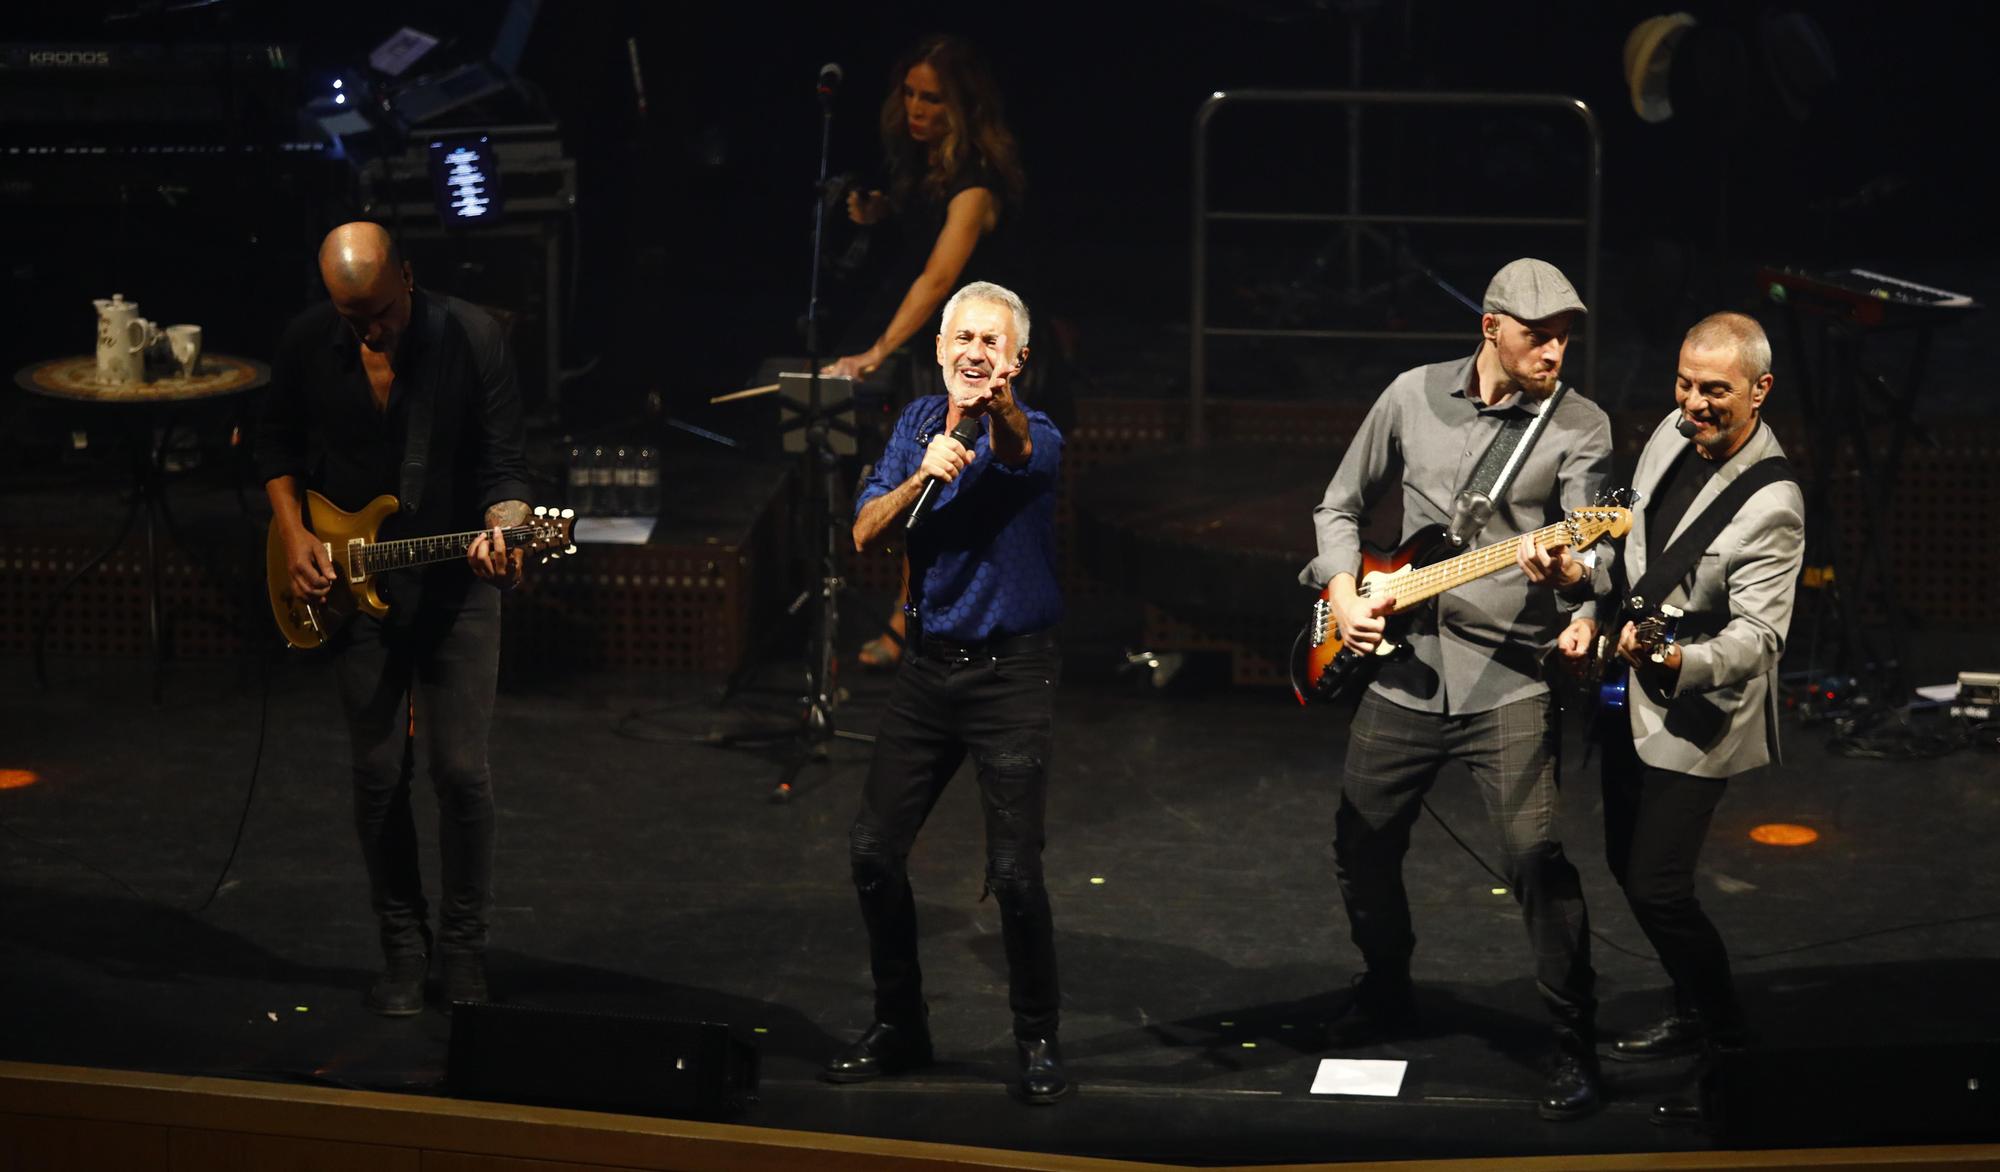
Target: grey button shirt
[1481,645]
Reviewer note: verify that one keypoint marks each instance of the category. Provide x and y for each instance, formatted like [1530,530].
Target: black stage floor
[1200,934]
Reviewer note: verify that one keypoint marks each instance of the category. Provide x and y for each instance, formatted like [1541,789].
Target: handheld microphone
[830,77]
[1687,427]
[967,433]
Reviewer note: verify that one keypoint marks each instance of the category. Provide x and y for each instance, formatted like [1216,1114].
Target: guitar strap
[1673,565]
[423,405]
[1494,474]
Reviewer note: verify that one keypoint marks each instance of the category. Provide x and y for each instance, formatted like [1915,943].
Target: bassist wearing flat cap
[1492,449]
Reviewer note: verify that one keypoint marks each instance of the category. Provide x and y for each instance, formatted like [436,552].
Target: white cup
[185,342]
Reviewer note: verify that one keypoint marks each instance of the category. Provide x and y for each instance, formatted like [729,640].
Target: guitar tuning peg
[541,510]
[571,549]
[568,513]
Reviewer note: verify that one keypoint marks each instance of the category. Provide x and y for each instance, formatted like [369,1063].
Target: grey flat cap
[1531,290]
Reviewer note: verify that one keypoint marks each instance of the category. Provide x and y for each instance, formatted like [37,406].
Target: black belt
[947,651]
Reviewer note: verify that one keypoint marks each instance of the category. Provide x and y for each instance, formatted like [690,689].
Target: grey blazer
[1722,716]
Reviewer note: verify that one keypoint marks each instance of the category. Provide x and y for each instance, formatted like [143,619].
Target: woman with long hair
[955,186]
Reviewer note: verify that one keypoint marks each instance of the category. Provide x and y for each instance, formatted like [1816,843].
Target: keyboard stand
[1857,420]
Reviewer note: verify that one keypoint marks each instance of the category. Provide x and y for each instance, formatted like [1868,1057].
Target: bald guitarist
[385,388]
[1471,687]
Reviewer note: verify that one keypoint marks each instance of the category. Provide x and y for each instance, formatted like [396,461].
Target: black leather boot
[399,991]
[1574,1089]
[1676,1035]
[886,1048]
[1042,1076]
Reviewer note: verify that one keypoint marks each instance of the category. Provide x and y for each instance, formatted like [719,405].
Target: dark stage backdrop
[690,249]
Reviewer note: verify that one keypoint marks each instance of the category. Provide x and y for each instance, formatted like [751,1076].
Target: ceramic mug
[185,342]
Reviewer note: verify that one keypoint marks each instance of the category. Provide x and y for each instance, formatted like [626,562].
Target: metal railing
[1199,331]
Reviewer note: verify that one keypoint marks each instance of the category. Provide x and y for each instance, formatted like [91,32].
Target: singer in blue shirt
[968,482]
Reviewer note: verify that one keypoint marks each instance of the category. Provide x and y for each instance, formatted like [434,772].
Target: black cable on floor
[1601,938]
[242,820]
[72,856]
[1893,928]
[1503,881]
[250,791]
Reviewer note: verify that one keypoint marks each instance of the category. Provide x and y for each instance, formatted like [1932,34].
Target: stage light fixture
[1649,60]
[1785,834]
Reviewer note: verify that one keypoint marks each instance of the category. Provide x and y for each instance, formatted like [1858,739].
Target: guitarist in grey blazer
[1707,709]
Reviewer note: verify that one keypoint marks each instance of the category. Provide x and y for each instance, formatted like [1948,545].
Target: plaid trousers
[1393,758]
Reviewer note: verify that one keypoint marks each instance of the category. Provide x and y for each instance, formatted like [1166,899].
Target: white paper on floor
[1360,1076]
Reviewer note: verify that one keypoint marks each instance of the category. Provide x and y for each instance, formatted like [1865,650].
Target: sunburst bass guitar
[1323,668]
[358,558]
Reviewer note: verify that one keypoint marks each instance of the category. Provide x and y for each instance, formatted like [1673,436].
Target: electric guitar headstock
[550,534]
[1586,525]
[1656,629]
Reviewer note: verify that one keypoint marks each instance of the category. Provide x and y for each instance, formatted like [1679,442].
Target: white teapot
[122,337]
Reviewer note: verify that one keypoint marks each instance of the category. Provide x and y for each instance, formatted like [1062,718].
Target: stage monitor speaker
[599,1062]
[1860,1095]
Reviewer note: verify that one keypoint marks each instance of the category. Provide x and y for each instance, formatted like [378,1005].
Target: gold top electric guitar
[358,558]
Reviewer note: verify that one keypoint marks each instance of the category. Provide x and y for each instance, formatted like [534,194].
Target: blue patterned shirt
[983,563]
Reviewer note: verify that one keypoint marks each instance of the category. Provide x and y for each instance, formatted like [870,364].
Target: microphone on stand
[967,433]
[1687,427]
[830,77]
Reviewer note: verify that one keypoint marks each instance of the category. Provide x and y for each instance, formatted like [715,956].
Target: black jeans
[1000,710]
[445,662]
[1393,757]
[1654,823]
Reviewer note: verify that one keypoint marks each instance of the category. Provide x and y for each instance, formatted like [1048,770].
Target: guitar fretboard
[422,551]
[1427,582]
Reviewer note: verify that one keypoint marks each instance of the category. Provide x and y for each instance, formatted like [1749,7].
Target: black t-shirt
[923,222]
[911,235]
[1683,481]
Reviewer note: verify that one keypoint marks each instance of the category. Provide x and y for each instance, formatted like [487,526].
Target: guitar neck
[378,556]
[1424,583]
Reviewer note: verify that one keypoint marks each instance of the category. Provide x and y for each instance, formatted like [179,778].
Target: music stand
[807,411]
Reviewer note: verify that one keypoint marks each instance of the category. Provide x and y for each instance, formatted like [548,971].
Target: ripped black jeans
[998,710]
